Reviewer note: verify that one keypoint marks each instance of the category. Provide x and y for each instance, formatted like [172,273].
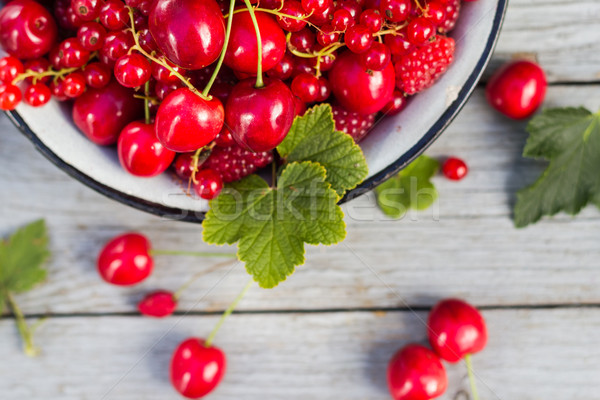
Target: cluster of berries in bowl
[210,88]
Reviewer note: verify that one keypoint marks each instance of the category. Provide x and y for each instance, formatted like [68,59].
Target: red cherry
[158,304]
[260,118]
[377,57]
[114,15]
[517,89]
[242,52]
[189,32]
[126,260]
[140,152]
[91,36]
[358,38]
[183,165]
[456,329]
[359,90]
[186,122]
[395,10]
[10,67]
[419,31]
[372,19]
[10,96]
[195,369]
[101,114]
[396,105]
[97,75]
[27,30]
[74,85]
[132,70]
[37,95]
[416,373]
[455,169]
[306,87]
[293,8]
[209,184]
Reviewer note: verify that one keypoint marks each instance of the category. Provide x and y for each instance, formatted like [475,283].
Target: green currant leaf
[22,258]
[570,139]
[410,188]
[273,224]
[313,137]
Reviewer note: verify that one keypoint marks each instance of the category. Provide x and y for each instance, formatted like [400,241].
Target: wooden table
[329,331]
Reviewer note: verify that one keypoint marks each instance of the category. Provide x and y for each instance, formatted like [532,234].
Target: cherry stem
[227,313]
[259,77]
[147,102]
[159,61]
[223,51]
[471,377]
[197,276]
[208,254]
[24,330]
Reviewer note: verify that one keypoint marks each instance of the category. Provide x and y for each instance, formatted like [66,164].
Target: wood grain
[532,354]
[465,246]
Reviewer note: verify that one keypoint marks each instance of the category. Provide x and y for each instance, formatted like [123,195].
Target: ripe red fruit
[10,96]
[306,87]
[396,105]
[395,10]
[209,184]
[372,19]
[126,260]
[183,165]
[72,53]
[116,44]
[37,95]
[456,329]
[517,89]
[260,118]
[132,70]
[293,8]
[101,114]
[86,10]
[342,20]
[38,65]
[242,51]
[91,36]
[140,152]
[234,163]
[186,122]
[455,169]
[452,14]
[419,31]
[416,373]
[354,124]
[358,38]
[195,369]
[97,75]
[159,304]
[114,15]
[422,66]
[377,57]
[359,90]
[74,85]
[27,30]
[10,67]
[190,33]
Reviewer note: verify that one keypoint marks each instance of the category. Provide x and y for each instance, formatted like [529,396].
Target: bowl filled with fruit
[159,104]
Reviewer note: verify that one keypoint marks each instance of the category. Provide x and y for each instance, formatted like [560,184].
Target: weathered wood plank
[532,354]
[469,249]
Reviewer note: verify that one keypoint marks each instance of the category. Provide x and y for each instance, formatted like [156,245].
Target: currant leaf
[313,137]
[570,139]
[273,224]
[410,188]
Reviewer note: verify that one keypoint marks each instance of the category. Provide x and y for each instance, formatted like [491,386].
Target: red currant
[114,15]
[396,105]
[10,96]
[352,6]
[314,6]
[324,90]
[436,12]
[183,165]
[358,38]
[455,169]
[37,65]
[74,85]
[293,8]
[97,75]
[284,69]
[73,54]
[132,70]
[327,35]
[377,57]
[162,74]
[57,88]
[10,67]
[306,87]
[342,20]
[372,19]
[419,31]
[208,184]
[159,304]
[126,260]
[225,138]
[37,95]
[86,10]
[116,45]
[397,44]
[396,10]
[303,40]
[91,36]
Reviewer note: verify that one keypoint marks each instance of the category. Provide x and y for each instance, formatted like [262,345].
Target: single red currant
[184,165]
[132,70]
[73,54]
[91,36]
[114,15]
[97,75]
[37,65]
[455,169]
[436,12]
[162,74]
[416,373]
[284,69]
[303,40]
[10,67]
[372,19]
[396,10]
[377,57]
[57,88]
[293,8]
[358,38]
[342,20]
[74,85]
[126,260]
[10,96]
[86,10]
[352,6]
[37,95]
[314,6]
[116,45]
[306,87]
[456,329]
[225,138]
[398,43]
[158,304]
[396,105]
[419,31]
[517,89]
[195,369]
[208,184]
[140,152]
[327,35]
[324,90]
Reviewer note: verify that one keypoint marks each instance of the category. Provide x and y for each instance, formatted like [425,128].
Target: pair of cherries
[456,330]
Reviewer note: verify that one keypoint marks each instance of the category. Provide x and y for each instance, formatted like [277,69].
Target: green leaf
[273,224]
[570,139]
[22,258]
[410,188]
[313,138]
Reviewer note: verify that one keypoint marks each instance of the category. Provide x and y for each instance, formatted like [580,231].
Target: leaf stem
[259,78]
[471,377]
[156,252]
[24,330]
[227,313]
[223,51]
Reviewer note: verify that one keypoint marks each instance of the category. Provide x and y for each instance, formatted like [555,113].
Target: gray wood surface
[328,332]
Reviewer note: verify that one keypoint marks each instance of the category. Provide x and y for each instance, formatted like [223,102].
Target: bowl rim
[369,184]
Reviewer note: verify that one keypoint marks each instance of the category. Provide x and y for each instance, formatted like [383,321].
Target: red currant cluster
[123,60]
